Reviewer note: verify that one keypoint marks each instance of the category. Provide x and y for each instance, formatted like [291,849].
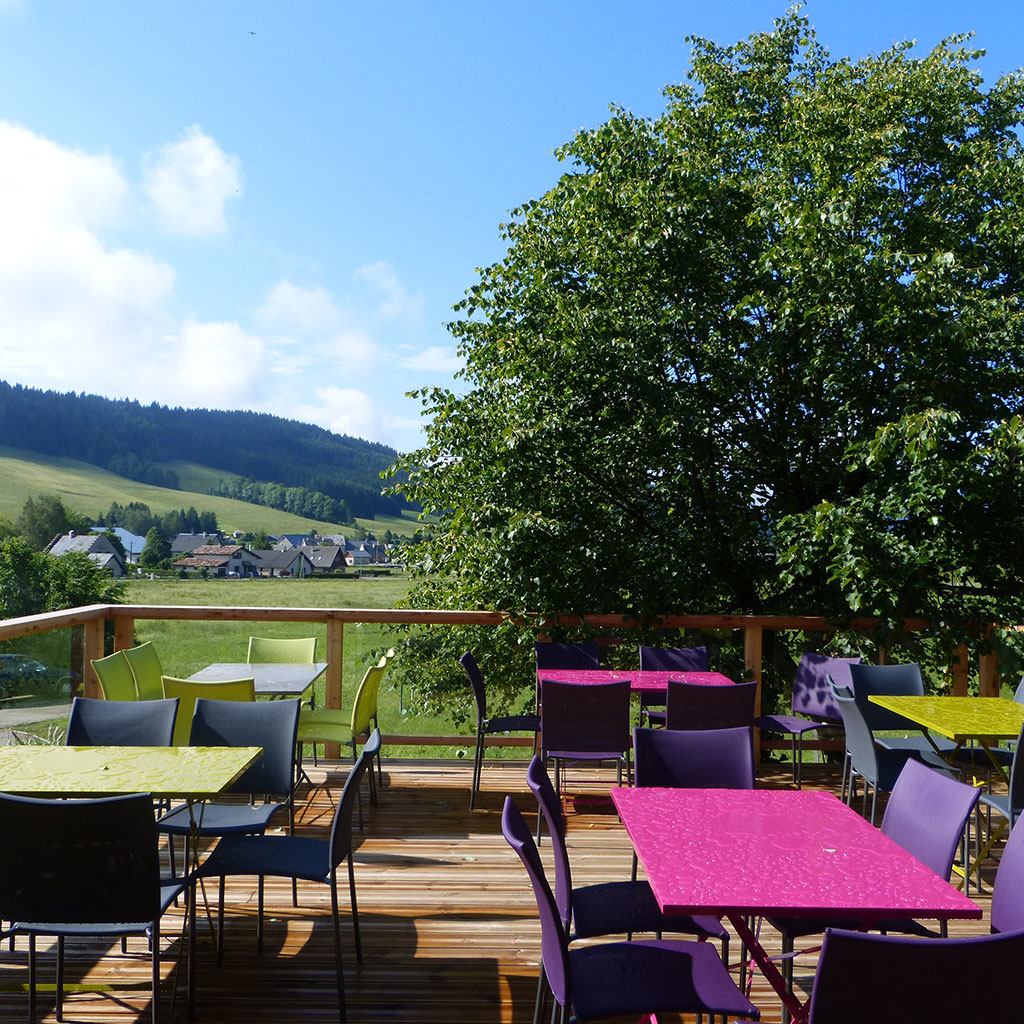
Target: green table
[192,773]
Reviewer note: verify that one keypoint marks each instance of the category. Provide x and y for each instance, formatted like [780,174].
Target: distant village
[215,555]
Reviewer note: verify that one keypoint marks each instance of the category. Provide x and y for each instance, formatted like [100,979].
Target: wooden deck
[448,919]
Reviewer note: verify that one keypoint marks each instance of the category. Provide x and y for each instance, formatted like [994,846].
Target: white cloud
[219,366]
[188,183]
[436,358]
[396,302]
[73,310]
[345,411]
[300,310]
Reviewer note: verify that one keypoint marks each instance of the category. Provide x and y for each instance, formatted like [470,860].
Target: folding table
[272,679]
[748,853]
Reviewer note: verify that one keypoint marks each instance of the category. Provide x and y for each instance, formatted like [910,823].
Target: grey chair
[1007,806]
[118,723]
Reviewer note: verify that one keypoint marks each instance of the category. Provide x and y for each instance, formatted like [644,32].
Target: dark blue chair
[610,979]
[296,857]
[82,868]
[119,723]
[579,656]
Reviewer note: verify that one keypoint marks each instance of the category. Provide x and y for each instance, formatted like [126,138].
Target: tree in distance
[760,354]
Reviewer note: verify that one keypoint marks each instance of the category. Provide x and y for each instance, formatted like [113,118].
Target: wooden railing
[93,619]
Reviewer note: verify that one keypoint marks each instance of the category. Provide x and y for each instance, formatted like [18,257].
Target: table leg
[798,1010]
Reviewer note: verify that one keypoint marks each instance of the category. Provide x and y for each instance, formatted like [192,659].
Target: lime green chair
[147,670]
[115,676]
[284,650]
[187,690]
[325,725]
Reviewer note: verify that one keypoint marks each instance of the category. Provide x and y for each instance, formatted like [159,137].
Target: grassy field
[186,647]
[90,490]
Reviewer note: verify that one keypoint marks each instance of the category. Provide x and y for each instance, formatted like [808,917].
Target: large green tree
[45,517]
[697,330]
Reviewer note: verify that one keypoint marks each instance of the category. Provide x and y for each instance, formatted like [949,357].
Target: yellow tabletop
[109,771]
[959,718]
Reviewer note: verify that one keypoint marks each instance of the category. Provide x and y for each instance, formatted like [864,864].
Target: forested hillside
[133,440]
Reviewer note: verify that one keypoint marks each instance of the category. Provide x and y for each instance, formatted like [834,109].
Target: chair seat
[610,908]
[798,927]
[280,856]
[510,723]
[633,978]
[586,755]
[789,724]
[920,744]
[221,819]
[978,757]
[655,717]
[325,726]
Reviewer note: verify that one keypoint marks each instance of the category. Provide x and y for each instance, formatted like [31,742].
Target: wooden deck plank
[448,919]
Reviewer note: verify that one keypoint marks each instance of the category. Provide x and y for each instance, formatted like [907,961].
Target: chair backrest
[1016,789]
[554,946]
[860,743]
[584,716]
[189,690]
[694,759]
[892,979]
[293,651]
[812,695]
[673,659]
[892,680]
[115,676]
[78,861]
[539,782]
[926,815]
[698,706]
[580,656]
[115,723]
[270,724]
[364,707]
[341,826]
[147,670]
[476,680]
[1008,889]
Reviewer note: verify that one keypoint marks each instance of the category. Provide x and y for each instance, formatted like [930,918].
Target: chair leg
[355,909]
[259,915]
[542,996]
[338,968]
[478,761]
[59,1013]
[155,955]
[31,978]
[220,921]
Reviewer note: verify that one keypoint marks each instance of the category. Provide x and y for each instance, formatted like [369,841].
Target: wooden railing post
[961,671]
[753,637]
[333,677]
[93,652]
[124,632]
[988,675]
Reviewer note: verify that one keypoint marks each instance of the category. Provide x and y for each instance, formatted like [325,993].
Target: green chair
[284,650]
[187,690]
[326,725]
[115,676]
[147,670]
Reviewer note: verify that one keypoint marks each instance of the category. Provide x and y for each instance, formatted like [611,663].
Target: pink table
[639,682]
[740,853]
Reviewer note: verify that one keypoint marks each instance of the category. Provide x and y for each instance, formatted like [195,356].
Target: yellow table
[986,720]
[192,773]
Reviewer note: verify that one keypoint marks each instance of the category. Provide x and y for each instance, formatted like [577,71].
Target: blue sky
[274,206]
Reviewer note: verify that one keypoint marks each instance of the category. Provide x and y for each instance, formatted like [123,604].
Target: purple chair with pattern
[612,979]
[667,659]
[812,706]
[695,706]
[889,979]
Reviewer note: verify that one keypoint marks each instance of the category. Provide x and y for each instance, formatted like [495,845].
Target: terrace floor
[448,919]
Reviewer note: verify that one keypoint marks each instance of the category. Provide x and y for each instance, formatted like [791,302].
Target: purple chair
[489,726]
[812,697]
[621,978]
[694,759]
[893,979]
[1008,890]
[927,815]
[585,722]
[698,706]
[667,659]
[581,656]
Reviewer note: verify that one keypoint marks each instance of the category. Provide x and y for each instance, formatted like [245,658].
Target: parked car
[20,672]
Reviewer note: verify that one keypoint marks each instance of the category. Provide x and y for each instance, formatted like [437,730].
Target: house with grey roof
[95,545]
[293,562]
[325,557]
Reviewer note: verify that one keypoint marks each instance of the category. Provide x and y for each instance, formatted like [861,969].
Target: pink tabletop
[776,853]
[638,680]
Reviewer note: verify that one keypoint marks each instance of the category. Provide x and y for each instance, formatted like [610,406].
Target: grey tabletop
[272,679]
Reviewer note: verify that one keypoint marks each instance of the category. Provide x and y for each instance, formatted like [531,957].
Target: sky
[254,204]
